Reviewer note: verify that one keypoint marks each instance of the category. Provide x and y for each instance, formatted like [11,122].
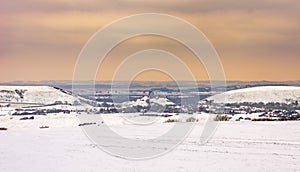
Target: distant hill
[36,95]
[265,94]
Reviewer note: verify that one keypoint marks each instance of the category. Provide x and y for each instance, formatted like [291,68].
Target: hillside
[265,94]
[44,95]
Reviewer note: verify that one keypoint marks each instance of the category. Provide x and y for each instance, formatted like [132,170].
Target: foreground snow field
[235,146]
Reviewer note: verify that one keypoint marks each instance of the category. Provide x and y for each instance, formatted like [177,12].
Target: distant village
[252,111]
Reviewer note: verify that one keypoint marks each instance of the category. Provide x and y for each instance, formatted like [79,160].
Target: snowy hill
[265,94]
[35,94]
[41,100]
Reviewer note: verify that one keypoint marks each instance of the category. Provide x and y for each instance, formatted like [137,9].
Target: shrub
[166,115]
[87,123]
[3,128]
[191,119]
[27,118]
[222,118]
[171,120]
[263,119]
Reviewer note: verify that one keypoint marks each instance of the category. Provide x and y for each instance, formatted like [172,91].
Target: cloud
[240,30]
[188,6]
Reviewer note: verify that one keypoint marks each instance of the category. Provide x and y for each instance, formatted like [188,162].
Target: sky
[255,40]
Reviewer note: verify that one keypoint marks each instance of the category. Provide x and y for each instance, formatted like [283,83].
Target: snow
[235,146]
[265,94]
[53,120]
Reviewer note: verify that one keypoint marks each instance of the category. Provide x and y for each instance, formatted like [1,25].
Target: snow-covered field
[235,146]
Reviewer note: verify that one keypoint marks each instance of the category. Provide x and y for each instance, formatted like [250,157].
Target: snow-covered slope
[35,94]
[143,102]
[161,101]
[265,94]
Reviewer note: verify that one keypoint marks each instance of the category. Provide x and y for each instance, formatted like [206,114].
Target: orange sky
[256,40]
